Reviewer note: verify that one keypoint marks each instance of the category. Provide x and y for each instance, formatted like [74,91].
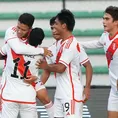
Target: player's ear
[30,30]
[116,22]
[64,25]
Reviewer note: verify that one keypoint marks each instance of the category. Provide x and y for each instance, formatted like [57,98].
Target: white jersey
[52,48]
[17,68]
[17,44]
[68,83]
[111,50]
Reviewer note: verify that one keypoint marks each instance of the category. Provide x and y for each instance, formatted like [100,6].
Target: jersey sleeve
[10,34]
[71,53]
[83,56]
[67,55]
[3,50]
[93,44]
[19,47]
[52,59]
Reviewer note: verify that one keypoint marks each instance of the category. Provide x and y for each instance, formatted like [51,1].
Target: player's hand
[30,79]
[86,93]
[47,52]
[41,64]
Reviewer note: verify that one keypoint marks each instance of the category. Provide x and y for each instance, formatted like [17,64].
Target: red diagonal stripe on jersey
[59,53]
[21,67]
[78,48]
[110,51]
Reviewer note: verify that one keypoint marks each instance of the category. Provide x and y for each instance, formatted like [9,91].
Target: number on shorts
[66,105]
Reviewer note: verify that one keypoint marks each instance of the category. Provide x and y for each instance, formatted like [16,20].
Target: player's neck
[66,35]
[113,33]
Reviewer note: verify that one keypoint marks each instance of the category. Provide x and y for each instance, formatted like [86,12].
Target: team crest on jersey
[14,29]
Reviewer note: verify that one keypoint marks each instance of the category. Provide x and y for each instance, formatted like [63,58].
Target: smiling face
[57,29]
[22,30]
[55,35]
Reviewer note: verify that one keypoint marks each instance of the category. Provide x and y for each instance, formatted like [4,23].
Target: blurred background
[88,16]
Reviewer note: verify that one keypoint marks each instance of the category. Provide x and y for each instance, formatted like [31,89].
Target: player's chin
[19,35]
[106,29]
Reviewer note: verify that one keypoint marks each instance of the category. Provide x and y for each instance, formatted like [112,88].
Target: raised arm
[21,48]
[91,44]
[94,43]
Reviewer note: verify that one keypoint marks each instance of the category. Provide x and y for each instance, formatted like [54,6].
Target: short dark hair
[66,16]
[52,20]
[27,19]
[113,11]
[36,36]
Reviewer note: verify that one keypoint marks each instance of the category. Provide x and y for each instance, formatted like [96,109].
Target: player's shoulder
[104,36]
[105,33]
[53,46]
[72,42]
[11,29]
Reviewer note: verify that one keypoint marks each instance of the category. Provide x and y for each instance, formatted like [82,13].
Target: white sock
[50,109]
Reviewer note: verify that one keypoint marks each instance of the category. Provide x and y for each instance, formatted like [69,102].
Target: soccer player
[35,39]
[42,94]
[70,94]
[17,94]
[15,36]
[18,35]
[109,41]
[45,75]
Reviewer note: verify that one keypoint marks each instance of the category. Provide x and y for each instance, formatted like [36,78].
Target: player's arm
[84,60]
[63,63]
[59,68]
[21,48]
[89,72]
[94,43]
[91,44]
[3,52]
[44,76]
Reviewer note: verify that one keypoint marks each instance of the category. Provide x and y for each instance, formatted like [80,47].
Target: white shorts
[113,101]
[67,108]
[11,110]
